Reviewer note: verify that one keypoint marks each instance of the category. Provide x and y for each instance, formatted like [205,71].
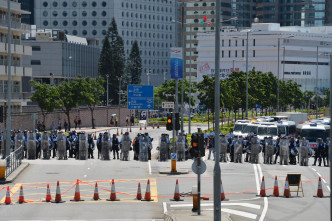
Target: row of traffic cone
[286,189]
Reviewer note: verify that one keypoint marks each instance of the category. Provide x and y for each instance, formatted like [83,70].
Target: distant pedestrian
[132,120]
[52,126]
[59,124]
[76,122]
[65,124]
[39,126]
[79,122]
[112,121]
[127,120]
[116,121]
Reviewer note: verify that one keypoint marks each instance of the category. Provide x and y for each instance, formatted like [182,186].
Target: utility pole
[9,85]
[216,170]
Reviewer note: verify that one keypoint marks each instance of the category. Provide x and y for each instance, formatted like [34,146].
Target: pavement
[241,183]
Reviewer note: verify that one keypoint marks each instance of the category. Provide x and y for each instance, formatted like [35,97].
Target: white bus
[313,131]
[239,126]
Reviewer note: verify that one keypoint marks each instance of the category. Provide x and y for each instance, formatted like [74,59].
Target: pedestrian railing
[14,160]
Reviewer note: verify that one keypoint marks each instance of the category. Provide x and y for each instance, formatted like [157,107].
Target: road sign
[167,105]
[258,106]
[140,97]
[173,156]
[195,169]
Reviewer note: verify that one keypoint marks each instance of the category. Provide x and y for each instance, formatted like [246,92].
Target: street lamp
[69,75]
[52,80]
[107,86]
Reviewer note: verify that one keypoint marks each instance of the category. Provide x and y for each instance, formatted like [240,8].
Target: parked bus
[313,131]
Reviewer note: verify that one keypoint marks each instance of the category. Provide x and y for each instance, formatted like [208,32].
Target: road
[241,183]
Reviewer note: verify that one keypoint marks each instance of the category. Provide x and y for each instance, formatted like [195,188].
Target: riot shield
[238,150]
[255,150]
[269,151]
[304,152]
[31,147]
[180,148]
[143,149]
[83,147]
[163,150]
[45,148]
[18,141]
[105,148]
[223,149]
[125,148]
[284,151]
[61,147]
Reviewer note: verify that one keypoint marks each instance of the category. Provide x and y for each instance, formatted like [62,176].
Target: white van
[267,130]
[313,131]
[239,126]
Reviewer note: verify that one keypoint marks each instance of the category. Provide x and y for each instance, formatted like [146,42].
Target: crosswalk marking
[248,205]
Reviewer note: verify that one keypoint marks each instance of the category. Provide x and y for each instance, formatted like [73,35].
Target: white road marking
[149,163]
[88,168]
[256,177]
[248,205]
[324,181]
[328,188]
[165,207]
[313,169]
[284,165]
[238,213]
[319,174]
[266,202]
[85,176]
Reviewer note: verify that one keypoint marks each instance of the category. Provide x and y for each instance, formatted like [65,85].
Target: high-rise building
[149,22]
[28,5]
[20,75]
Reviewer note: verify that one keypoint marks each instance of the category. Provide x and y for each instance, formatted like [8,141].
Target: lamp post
[107,86]
[69,75]
[189,124]
[330,153]
[147,112]
[9,85]
[51,80]
[247,46]
[278,75]
[317,83]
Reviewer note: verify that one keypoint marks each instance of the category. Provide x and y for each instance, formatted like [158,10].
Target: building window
[229,43]
[243,42]
[222,43]
[84,32]
[55,13]
[55,23]
[94,23]
[236,54]
[64,14]
[104,32]
[35,48]
[254,42]
[104,23]
[84,23]
[45,4]
[94,4]
[45,23]
[235,43]
[35,62]
[104,13]
[64,4]
[94,32]
[84,13]
[74,23]
[74,4]
[55,4]
[64,23]
[75,32]
[229,54]
[222,54]
[243,53]
[254,53]
[74,13]
[104,4]
[84,4]
[94,13]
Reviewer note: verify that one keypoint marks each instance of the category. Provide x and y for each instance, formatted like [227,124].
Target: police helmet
[100,134]
[126,133]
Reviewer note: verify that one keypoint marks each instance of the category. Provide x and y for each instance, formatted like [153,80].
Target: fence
[14,160]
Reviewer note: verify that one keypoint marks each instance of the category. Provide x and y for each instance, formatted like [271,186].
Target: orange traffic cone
[8,200]
[320,188]
[145,127]
[176,192]
[147,196]
[77,196]
[96,193]
[222,195]
[21,197]
[130,129]
[140,127]
[48,194]
[262,192]
[95,136]
[139,193]
[117,131]
[153,126]
[286,190]
[58,194]
[158,125]
[113,193]
[121,132]
[276,188]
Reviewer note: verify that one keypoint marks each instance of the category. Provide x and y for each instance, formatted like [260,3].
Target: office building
[303,53]
[147,21]
[20,74]
[57,56]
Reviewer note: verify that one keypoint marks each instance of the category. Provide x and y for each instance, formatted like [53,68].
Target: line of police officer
[289,150]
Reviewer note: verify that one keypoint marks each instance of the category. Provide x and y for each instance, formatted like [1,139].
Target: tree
[92,91]
[134,65]
[105,64]
[117,61]
[69,97]
[46,96]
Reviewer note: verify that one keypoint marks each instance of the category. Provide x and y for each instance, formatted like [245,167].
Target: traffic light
[197,145]
[169,123]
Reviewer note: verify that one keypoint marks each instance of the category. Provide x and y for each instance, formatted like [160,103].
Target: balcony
[16,48]
[15,70]
[15,25]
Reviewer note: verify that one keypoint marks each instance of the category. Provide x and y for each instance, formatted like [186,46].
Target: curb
[15,173]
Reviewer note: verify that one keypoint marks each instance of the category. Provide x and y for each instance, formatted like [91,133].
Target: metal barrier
[14,160]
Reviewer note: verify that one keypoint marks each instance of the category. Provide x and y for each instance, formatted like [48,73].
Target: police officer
[38,145]
[115,146]
[277,150]
[25,139]
[211,144]
[327,151]
[99,140]
[125,149]
[91,147]
[319,152]
[136,146]
[54,140]
[292,151]
[149,145]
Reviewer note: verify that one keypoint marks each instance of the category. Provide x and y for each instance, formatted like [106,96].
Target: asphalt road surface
[241,183]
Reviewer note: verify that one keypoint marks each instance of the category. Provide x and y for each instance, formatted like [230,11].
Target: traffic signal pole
[173,161]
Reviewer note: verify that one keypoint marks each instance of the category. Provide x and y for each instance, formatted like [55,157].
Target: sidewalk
[179,215]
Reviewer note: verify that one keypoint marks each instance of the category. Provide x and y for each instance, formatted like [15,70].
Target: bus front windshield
[271,131]
[248,129]
[282,129]
[313,135]
[239,127]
